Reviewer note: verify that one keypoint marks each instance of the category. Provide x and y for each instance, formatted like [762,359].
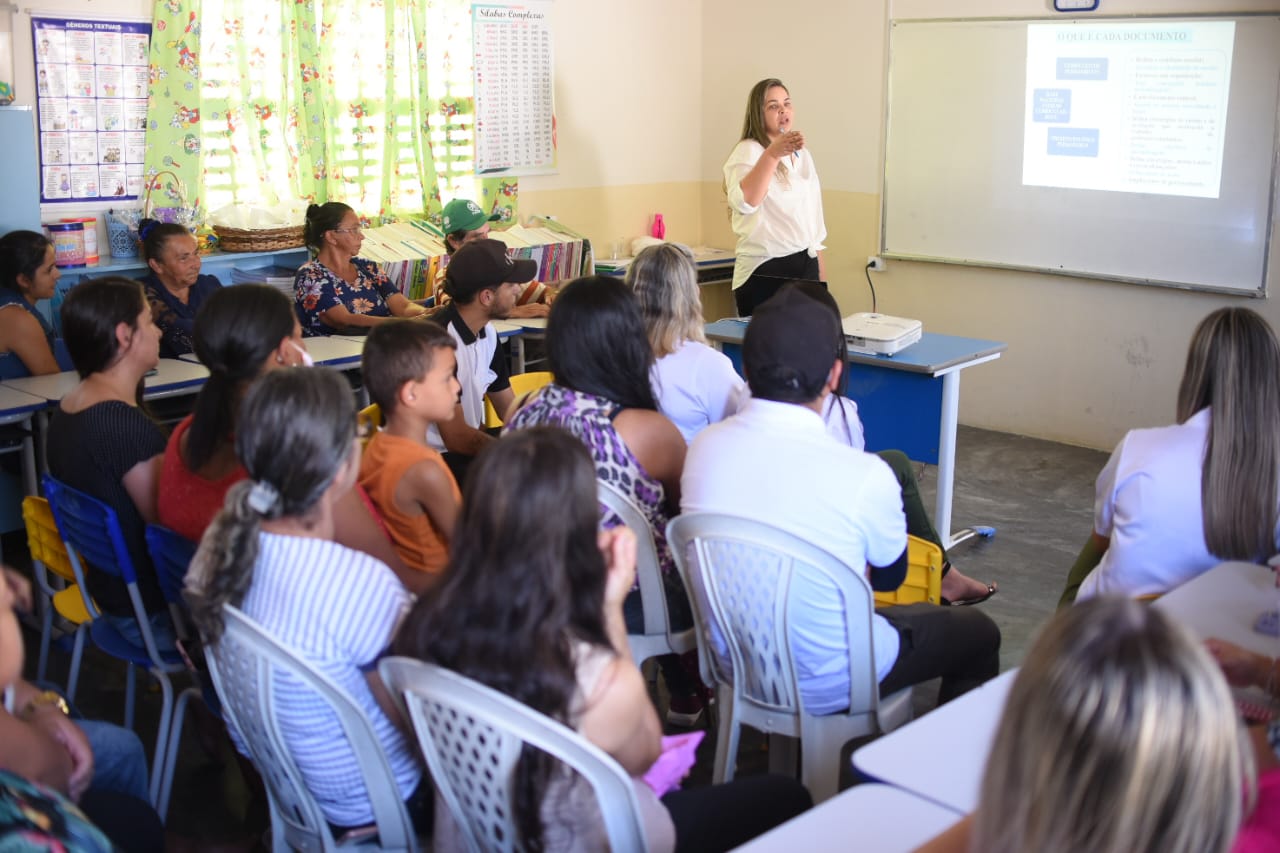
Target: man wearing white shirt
[774,462]
[483,283]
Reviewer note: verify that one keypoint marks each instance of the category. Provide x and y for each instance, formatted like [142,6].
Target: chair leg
[77,652]
[130,681]
[726,739]
[46,637]
[172,750]
[820,769]
[162,736]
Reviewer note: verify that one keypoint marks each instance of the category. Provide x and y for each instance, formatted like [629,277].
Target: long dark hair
[526,557]
[321,219]
[596,342]
[236,330]
[90,314]
[1233,367]
[295,433]
[21,253]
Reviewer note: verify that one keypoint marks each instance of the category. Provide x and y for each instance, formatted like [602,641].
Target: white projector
[880,334]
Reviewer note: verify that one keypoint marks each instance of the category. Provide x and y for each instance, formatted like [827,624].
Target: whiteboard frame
[1273,236]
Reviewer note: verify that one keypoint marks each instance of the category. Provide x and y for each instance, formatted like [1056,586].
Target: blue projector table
[909,401]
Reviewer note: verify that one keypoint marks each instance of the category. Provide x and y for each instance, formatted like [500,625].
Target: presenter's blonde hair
[665,283]
[1119,736]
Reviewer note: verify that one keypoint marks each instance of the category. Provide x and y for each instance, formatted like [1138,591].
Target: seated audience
[531,605]
[695,384]
[50,761]
[840,414]
[774,462]
[483,283]
[1118,735]
[463,222]
[338,292]
[270,553]
[102,442]
[175,288]
[27,275]
[241,333]
[1174,501]
[409,373]
[601,362]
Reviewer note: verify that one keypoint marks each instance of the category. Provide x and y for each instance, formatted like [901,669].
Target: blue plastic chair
[91,531]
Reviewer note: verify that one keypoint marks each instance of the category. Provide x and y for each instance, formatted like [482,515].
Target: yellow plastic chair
[924,576]
[49,554]
[521,384]
[369,419]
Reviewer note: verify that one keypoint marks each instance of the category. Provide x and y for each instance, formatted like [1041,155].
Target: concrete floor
[1037,494]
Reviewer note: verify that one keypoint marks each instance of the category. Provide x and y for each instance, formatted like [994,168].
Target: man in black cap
[774,462]
[483,283]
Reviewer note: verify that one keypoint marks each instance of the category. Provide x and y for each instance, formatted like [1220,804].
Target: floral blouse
[316,289]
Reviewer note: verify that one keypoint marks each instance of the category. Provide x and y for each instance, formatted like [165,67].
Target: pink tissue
[679,752]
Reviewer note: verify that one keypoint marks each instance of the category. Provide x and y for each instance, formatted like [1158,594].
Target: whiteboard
[953,174]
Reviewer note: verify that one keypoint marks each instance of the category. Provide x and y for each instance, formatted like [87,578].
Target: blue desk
[18,409]
[909,401]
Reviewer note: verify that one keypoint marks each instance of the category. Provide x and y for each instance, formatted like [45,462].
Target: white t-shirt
[1148,505]
[696,386]
[788,218]
[774,462]
[339,609]
[475,371]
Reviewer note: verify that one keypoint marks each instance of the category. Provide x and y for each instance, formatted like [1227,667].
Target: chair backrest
[171,555]
[370,420]
[43,540]
[472,737]
[739,574]
[244,663]
[648,573]
[521,383]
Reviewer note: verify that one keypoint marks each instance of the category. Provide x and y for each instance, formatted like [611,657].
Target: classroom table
[871,818]
[19,409]
[1225,602]
[341,352]
[942,755]
[909,401]
[516,329]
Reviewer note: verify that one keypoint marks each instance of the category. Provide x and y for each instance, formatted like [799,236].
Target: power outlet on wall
[875,263]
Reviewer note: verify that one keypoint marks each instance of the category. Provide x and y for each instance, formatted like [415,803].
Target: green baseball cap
[464,215]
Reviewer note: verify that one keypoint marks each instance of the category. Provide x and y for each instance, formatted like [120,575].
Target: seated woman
[175,288]
[337,291]
[695,385]
[241,333]
[843,424]
[102,442]
[27,274]
[529,556]
[1174,501]
[601,361]
[1119,734]
[270,553]
[464,221]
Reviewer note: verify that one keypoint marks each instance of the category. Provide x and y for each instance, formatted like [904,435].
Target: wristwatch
[46,697]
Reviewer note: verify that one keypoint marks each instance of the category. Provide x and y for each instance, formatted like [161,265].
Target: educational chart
[1129,107]
[515,121]
[91,98]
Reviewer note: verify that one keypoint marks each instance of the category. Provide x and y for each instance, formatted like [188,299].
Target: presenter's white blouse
[1148,505]
[787,220]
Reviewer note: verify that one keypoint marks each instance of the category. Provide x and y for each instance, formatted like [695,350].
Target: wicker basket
[260,240]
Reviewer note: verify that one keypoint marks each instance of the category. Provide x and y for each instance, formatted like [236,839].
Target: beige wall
[1087,360]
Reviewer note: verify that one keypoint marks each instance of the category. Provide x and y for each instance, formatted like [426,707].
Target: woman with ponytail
[270,553]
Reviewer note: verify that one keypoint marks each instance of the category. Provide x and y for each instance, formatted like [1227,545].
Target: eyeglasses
[355,230]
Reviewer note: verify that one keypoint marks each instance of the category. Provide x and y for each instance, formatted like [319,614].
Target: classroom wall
[1087,360]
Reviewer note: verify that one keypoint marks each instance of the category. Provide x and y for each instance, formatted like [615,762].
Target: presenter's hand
[786,144]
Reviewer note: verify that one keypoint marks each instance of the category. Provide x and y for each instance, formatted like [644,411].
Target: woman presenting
[774,200]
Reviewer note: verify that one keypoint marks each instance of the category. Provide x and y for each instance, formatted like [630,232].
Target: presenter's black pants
[771,275]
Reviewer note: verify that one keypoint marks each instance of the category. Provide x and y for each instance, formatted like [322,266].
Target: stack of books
[280,278]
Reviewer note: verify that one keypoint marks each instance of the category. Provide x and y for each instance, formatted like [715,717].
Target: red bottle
[659,227]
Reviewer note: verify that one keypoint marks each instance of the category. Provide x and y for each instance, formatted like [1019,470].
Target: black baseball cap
[483,264]
[790,345]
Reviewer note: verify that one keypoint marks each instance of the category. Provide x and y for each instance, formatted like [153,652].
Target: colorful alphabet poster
[91,100]
[515,113]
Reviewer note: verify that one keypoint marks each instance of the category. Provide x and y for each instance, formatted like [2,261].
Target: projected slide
[1128,107]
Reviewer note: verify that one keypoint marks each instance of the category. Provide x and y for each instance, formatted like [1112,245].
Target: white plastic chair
[244,663]
[658,638]
[472,737]
[738,573]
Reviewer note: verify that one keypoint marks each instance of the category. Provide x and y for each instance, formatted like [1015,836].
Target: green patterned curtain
[367,102]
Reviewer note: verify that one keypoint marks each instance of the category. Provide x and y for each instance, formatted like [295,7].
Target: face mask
[307,360]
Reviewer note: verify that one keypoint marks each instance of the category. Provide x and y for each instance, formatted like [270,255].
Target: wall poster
[91,102]
[515,113]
